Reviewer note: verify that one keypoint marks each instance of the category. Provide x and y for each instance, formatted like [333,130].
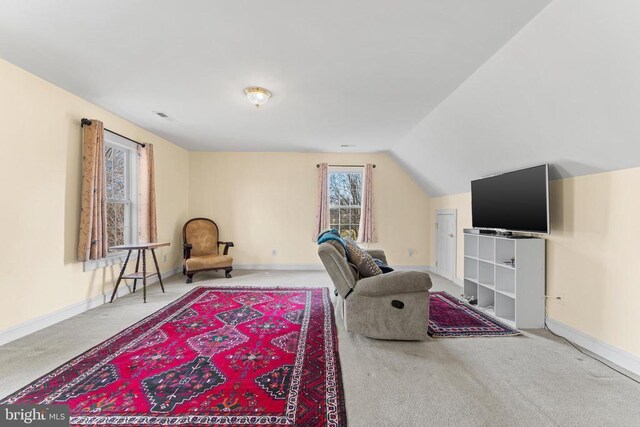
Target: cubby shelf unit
[507,276]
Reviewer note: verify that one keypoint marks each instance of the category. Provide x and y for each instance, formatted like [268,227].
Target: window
[345,200]
[120,168]
[120,161]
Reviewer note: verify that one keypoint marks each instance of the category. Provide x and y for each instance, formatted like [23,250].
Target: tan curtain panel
[322,213]
[367,230]
[147,225]
[92,241]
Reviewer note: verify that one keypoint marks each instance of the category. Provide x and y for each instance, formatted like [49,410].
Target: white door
[446,243]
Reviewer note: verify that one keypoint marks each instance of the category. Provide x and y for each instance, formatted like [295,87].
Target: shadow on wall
[567,168]
[560,211]
[73,185]
[582,208]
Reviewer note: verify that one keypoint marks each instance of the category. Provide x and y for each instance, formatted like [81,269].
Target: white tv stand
[511,292]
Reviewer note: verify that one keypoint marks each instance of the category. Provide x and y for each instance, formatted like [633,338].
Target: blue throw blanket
[332,235]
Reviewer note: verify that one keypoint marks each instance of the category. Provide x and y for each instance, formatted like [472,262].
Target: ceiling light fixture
[257,95]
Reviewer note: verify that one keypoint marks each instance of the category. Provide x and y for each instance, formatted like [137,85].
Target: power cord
[586,354]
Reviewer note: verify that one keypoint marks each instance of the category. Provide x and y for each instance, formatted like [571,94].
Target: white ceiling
[342,72]
[564,91]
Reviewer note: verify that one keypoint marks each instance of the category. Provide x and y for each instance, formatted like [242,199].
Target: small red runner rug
[451,318]
[216,356]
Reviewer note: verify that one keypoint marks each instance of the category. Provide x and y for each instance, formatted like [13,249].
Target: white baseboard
[457,280]
[315,267]
[412,268]
[41,322]
[621,358]
[295,267]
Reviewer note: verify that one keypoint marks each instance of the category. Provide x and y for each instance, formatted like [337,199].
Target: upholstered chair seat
[205,262]
[201,248]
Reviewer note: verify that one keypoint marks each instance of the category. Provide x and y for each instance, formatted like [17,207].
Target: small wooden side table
[142,251]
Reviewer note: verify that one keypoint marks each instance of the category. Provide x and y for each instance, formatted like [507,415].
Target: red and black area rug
[451,318]
[216,356]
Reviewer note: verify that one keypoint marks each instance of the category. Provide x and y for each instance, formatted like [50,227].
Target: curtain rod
[87,122]
[345,166]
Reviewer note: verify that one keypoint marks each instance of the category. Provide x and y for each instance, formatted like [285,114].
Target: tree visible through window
[118,200]
[345,201]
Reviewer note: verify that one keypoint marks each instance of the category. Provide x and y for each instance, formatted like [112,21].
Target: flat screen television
[512,201]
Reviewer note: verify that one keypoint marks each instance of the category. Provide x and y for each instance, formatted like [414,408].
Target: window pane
[119,211]
[334,200]
[119,236]
[345,216]
[118,174]
[111,216]
[355,187]
[111,237]
[349,232]
[333,216]
[345,194]
[355,216]
[345,188]
[115,223]
[107,178]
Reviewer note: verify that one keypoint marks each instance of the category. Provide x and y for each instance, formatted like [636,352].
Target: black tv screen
[512,201]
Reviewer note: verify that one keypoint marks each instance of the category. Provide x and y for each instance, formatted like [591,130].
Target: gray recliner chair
[391,306]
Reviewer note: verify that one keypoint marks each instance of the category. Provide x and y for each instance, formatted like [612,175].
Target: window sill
[95,264]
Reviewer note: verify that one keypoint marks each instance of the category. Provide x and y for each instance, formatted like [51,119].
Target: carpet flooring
[531,380]
[216,356]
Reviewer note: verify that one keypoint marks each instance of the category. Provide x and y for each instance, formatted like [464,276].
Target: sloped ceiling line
[562,91]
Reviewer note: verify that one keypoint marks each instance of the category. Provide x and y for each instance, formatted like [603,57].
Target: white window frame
[344,169]
[131,204]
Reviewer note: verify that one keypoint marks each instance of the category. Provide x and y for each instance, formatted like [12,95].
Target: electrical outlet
[557,299]
[274,252]
[164,259]
[410,252]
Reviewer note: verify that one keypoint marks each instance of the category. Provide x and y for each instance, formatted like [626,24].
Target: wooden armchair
[201,249]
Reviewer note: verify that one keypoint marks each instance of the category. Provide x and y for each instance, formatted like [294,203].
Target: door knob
[450,234]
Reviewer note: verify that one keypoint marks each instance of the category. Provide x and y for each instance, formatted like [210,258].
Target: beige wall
[592,253]
[40,187]
[266,201]
[262,201]
[462,203]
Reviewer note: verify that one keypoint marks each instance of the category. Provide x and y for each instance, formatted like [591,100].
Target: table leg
[135,281]
[155,260]
[144,275]
[124,266]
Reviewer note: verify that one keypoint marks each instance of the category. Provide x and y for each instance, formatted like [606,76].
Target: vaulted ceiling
[357,73]
[455,89]
[564,91]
